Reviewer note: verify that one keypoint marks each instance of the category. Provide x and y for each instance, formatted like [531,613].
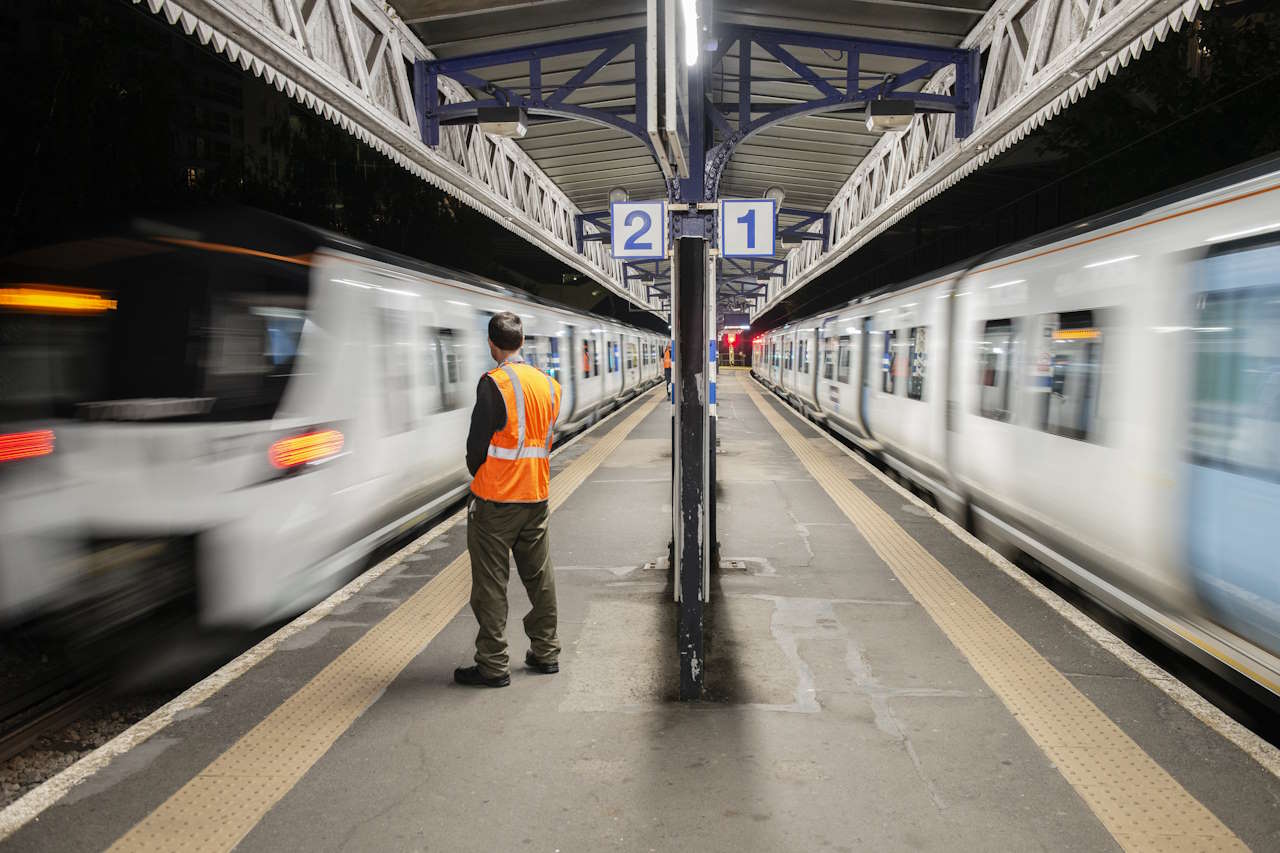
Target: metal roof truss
[349,61]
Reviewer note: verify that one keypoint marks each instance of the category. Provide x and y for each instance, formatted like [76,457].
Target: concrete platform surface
[854,700]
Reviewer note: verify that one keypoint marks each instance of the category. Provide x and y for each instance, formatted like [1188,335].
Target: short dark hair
[506,331]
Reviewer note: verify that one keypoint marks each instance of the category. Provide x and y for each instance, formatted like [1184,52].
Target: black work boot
[473,677]
[546,668]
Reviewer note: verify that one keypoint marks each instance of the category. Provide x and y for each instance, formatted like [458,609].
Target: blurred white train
[237,411]
[1104,398]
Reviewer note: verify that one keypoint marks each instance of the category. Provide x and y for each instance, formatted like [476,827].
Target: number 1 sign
[747,227]
[639,229]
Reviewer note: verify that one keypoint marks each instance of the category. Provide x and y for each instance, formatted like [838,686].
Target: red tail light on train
[309,447]
[25,445]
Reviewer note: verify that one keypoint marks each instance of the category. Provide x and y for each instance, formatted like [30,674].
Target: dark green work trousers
[495,533]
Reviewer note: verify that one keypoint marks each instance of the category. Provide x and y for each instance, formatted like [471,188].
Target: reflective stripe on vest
[520,451]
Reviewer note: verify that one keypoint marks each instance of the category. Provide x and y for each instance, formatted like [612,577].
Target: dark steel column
[689,302]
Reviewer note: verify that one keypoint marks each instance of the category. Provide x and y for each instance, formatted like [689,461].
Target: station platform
[876,680]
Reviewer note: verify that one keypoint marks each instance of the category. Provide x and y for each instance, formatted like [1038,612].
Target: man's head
[506,335]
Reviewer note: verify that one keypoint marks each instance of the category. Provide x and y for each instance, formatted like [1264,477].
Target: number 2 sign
[639,229]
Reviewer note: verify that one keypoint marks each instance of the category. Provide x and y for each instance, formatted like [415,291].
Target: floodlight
[503,121]
[618,195]
[776,194]
[887,115]
[789,241]
[690,10]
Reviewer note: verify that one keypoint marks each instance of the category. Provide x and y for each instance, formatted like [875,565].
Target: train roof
[1217,181]
[271,234]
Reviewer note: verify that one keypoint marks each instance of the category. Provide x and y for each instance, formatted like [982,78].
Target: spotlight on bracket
[776,194]
[617,195]
[889,116]
[503,121]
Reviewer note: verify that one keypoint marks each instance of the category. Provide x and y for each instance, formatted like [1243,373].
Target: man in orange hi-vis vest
[666,368]
[508,454]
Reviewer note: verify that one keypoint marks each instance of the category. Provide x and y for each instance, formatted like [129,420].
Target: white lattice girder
[349,61]
[1041,57]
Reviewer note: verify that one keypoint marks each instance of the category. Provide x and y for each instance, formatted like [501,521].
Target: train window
[828,359]
[889,364]
[430,372]
[789,359]
[394,351]
[226,342]
[530,351]
[631,356]
[916,354]
[995,370]
[802,358]
[1235,417]
[448,357]
[595,357]
[1069,374]
[553,358]
[588,347]
[844,360]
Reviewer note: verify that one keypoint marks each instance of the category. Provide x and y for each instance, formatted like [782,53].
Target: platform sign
[639,230]
[747,227]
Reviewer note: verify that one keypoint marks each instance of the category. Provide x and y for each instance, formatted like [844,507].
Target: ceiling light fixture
[503,121]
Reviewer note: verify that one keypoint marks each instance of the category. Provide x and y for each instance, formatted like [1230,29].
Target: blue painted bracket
[741,275]
[799,230]
[599,219]
[832,95]
[655,275]
[539,100]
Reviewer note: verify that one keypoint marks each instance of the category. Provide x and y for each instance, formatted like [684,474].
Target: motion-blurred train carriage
[236,410]
[1104,399]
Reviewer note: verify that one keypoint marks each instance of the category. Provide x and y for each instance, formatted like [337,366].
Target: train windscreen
[139,330]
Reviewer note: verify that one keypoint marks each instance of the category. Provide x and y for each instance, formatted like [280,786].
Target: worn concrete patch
[623,660]
[131,763]
[751,656]
[639,454]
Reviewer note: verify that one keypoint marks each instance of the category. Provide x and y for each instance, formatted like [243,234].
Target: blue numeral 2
[633,242]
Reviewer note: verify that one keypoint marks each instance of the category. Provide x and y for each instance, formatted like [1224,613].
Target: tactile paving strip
[218,808]
[1140,804]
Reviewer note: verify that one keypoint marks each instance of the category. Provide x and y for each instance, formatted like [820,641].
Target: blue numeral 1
[749,219]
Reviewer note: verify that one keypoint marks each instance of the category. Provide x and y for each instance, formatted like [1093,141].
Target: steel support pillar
[690,379]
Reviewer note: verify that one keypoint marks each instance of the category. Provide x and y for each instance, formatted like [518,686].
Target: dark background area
[111,113]
[1200,102]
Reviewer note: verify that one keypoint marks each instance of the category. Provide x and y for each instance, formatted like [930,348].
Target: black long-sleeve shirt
[488,416]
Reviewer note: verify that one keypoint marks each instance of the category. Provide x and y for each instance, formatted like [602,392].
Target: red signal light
[25,445]
[315,446]
[732,338]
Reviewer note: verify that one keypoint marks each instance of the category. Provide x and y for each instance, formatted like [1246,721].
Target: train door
[1233,459]
[862,370]
[812,364]
[826,391]
[434,396]
[396,453]
[630,363]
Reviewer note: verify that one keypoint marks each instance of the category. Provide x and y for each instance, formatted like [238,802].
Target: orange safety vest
[666,358]
[518,468]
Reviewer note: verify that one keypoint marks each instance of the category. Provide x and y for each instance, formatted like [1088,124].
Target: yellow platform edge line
[1136,800]
[216,809]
